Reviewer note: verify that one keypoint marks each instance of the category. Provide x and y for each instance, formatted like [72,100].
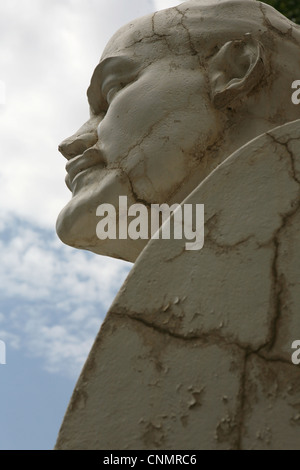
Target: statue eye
[109,77]
[113,85]
[112,92]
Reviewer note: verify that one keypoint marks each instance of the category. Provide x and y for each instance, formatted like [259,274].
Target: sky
[53,298]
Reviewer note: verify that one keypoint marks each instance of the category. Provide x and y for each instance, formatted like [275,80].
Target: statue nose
[77,144]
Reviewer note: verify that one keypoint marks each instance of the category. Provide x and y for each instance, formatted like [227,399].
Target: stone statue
[193,105]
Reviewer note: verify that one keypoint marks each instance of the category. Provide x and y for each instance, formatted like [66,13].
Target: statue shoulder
[202,339]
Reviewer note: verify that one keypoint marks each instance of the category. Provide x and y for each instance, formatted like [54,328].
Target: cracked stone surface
[271,414]
[195,351]
[204,363]
[177,396]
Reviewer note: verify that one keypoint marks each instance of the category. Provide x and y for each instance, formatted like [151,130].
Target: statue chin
[77,222]
[69,224]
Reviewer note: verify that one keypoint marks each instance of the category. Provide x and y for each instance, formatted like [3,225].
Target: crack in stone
[278,287]
[207,338]
[285,145]
[144,137]
[155,33]
[192,47]
[158,37]
[182,251]
[243,395]
[275,359]
[243,386]
[135,196]
[226,247]
[207,154]
[269,26]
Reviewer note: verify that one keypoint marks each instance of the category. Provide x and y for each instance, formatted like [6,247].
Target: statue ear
[235,70]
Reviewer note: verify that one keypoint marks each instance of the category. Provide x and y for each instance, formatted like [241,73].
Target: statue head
[175,93]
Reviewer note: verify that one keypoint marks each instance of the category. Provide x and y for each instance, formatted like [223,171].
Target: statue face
[151,122]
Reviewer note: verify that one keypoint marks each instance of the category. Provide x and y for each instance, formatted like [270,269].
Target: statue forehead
[153,35]
[159,37]
[195,26]
[129,35]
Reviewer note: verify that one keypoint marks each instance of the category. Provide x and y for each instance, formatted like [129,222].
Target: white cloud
[53,298]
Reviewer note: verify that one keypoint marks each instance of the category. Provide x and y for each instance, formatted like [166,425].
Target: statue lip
[90,157]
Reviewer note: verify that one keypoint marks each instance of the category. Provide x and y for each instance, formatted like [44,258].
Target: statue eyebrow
[121,66]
